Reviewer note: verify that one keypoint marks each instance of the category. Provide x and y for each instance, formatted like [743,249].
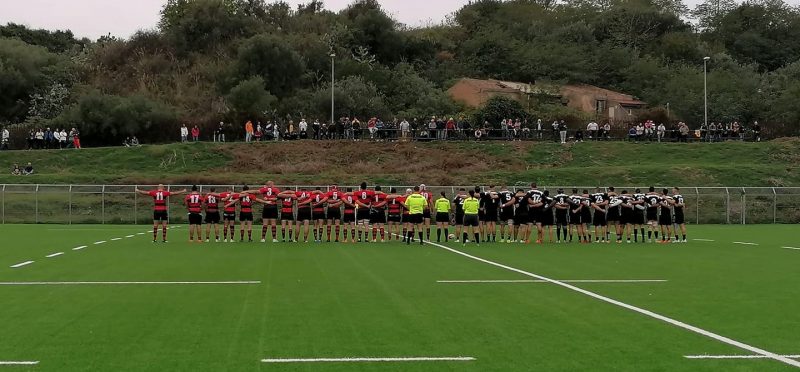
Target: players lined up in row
[475,214]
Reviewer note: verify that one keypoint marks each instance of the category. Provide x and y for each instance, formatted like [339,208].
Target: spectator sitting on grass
[16,171]
[28,169]
[134,141]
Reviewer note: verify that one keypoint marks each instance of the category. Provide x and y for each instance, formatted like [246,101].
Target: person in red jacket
[195,133]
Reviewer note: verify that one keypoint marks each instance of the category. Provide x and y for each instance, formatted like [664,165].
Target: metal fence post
[135,205]
[69,200]
[103,205]
[36,201]
[774,206]
[4,204]
[697,206]
[727,206]
[744,206]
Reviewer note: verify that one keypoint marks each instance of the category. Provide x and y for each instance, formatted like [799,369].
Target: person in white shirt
[64,139]
[607,130]
[4,139]
[660,131]
[539,129]
[592,129]
[405,128]
[184,133]
[303,126]
[57,138]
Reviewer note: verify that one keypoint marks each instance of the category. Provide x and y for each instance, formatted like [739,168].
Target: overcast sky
[121,18]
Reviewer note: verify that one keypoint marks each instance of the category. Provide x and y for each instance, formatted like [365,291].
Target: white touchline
[560,280]
[100,242]
[649,313]
[790,248]
[141,233]
[21,264]
[54,254]
[745,243]
[129,236]
[115,239]
[736,356]
[129,283]
[704,240]
[18,363]
[79,248]
[370,359]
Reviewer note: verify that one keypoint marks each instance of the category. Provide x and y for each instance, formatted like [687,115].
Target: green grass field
[383,300]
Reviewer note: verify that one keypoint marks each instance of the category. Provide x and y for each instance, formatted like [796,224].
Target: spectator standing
[736,130]
[432,128]
[356,125]
[449,128]
[639,131]
[756,132]
[39,139]
[76,138]
[371,128]
[248,131]
[684,131]
[518,130]
[28,169]
[219,133]
[4,138]
[317,127]
[712,132]
[62,144]
[539,128]
[184,133]
[259,132]
[562,131]
[526,130]
[57,138]
[31,139]
[632,133]
[303,127]
[195,133]
[661,131]
[555,130]
[48,138]
[703,132]
[405,128]
[648,129]
[268,131]
[607,130]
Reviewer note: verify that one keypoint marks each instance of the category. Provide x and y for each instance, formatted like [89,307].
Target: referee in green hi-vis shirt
[471,206]
[415,203]
[442,206]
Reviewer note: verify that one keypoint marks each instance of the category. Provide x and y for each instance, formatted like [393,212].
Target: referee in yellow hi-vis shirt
[415,203]
[442,218]
[471,206]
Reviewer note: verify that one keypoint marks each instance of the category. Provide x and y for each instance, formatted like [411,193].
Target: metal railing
[119,204]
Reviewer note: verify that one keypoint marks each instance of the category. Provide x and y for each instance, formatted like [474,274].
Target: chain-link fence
[120,204]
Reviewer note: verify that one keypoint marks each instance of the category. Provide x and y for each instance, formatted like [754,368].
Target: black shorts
[442,217]
[303,214]
[627,216]
[426,214]
[586,215]
[491,215]
[395,218]
[638,217]
[521,219]
[599,218]
[212,217]
[160,216]
[318,215]
[377,216]
[334,214]
[665,218]
[574,218]
[415,218]
[481,216]
[506,214]
[245,216]
[679,218]
[287,215]
[195,219]
[471,220]
[362,214]
[561,217]
[229,216]
[459,218]
[613,214]
[546,217]
[652,214]
[534,216]
[348,217]
[270,213]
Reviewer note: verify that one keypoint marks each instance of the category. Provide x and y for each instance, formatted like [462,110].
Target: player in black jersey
[575,207]
[547,215]
[653,202]
[489,204]
[521,202]
[680,222]
[534,212]
[506,214]
[665,220]
[639,205]
[626,214]
[562,207]
[586,215]
[458,203]
[599,203]
[613,215]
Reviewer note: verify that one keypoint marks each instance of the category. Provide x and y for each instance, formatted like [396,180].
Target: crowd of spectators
[39,139]
[20,171]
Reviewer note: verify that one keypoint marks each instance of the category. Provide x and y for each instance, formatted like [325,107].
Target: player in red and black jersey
[426,213]
[228,214]
[364,199]
[377,216]
[407,225]
[160,217]
[304,199]
[318,213]
[245,201]
[211,201]
[334,201]
[349,215]
[287,213]
[269,215]
[395,204]
[194,203]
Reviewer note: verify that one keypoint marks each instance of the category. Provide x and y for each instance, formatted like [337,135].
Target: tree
[709,13]
[249,99]
[197,25]
[271,58]
[24,70]
[497,109]
[354,97]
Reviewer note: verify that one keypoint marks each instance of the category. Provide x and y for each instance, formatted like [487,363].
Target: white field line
[561,280]
[79,248]
[99,242]
[736,356]
[141,233]
[703,240]
[21,264]
[129,236]
[18,362]
[130,283]
[370,359]
[54,254]
[745,243]
[649,313]
[790,248]
[115,239]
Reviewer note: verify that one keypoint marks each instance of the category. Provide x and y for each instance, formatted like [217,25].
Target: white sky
[121,18]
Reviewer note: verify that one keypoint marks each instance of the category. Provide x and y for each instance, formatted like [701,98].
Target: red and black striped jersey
[194,203]
[160,200]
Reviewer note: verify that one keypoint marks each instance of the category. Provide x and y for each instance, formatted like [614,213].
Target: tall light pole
[705,90]
[333,81]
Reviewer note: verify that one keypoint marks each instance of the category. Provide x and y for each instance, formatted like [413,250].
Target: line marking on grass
[54,254]
[703,240]
[790,248]
[745,243]
[736,356]
[129,236]
[642,311]
[21,264]
[142,233]
[115,239]
[79,248]
[100,242]
[18,362]
[131,283]
[561,280]
[370,359]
